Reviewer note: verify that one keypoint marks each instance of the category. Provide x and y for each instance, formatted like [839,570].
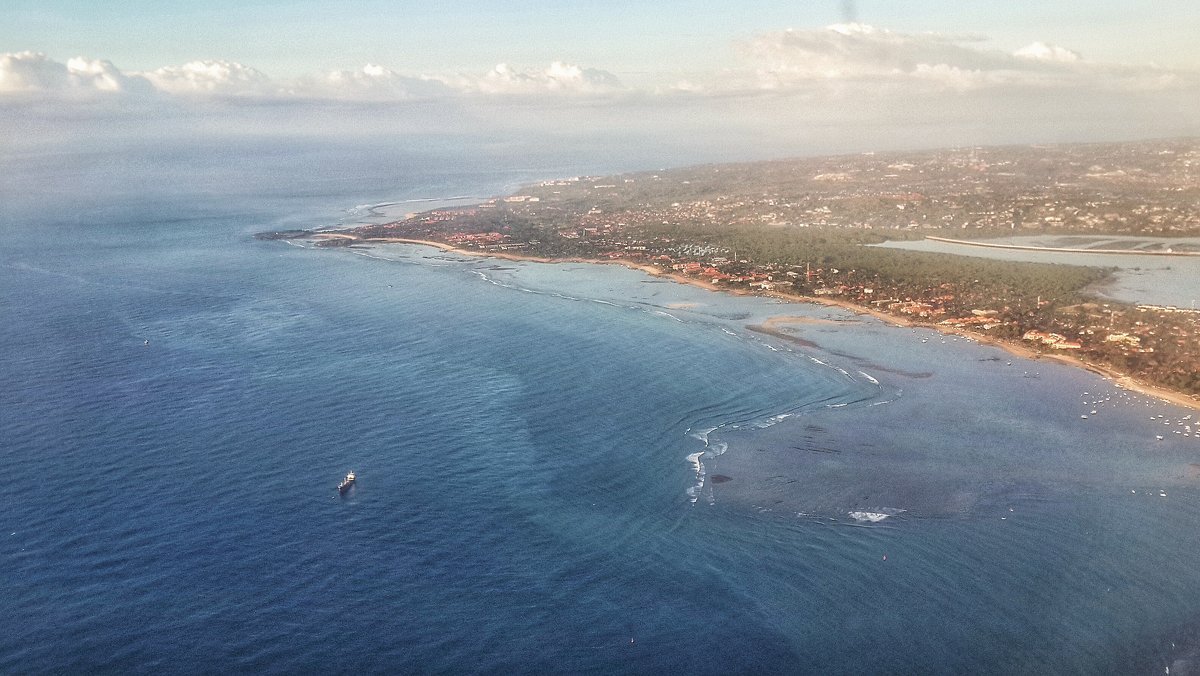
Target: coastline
[623,262]
[771,325]
[1016,349]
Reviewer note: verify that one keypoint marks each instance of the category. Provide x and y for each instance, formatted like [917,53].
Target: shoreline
[1122,380]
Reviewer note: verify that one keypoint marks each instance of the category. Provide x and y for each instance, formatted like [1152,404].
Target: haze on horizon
[760,79]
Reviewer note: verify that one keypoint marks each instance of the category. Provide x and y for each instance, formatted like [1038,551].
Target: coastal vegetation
[804,229]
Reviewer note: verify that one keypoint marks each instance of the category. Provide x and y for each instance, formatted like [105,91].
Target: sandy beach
[772,325]
[1014,348]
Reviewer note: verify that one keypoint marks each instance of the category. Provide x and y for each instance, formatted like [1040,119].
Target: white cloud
[558,77]
[31,72]
[34,72]
[845,54]
[225,78]
[97,75]
[841,64]
[846,51]
[1040,51]
[375,82]
[372,82]
[682,87]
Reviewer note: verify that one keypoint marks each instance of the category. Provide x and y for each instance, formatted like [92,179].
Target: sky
[290,38]
[781,74]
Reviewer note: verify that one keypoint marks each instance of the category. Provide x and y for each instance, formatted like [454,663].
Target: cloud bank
[846,86]
[559,77]
[209,77]
[36,74]
[848,59]
[33,72]
[850,55]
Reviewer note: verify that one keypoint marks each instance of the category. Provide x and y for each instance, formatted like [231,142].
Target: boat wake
[851,393]
[835,387]
[875,517]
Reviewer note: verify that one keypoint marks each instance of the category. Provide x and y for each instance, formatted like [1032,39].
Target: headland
[796,230]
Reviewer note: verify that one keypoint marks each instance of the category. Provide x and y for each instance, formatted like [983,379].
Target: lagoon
[1148,279]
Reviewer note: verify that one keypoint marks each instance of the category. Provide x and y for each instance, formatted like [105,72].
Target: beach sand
[782,320]
[1012,347]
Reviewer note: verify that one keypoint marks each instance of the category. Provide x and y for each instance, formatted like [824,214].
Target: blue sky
[773,77]
[636,40]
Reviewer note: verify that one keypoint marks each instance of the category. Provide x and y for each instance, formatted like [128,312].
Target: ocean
[562,468]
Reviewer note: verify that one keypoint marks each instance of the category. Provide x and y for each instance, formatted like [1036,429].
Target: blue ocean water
[537,447]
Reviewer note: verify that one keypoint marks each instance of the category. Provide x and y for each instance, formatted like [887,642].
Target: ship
[346,483]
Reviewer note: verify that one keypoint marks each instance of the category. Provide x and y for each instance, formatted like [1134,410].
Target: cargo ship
[346,483]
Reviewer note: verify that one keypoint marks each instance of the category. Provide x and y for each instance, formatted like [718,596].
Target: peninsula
[801,229]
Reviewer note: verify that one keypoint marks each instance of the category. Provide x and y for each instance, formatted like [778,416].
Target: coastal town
[805,229]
